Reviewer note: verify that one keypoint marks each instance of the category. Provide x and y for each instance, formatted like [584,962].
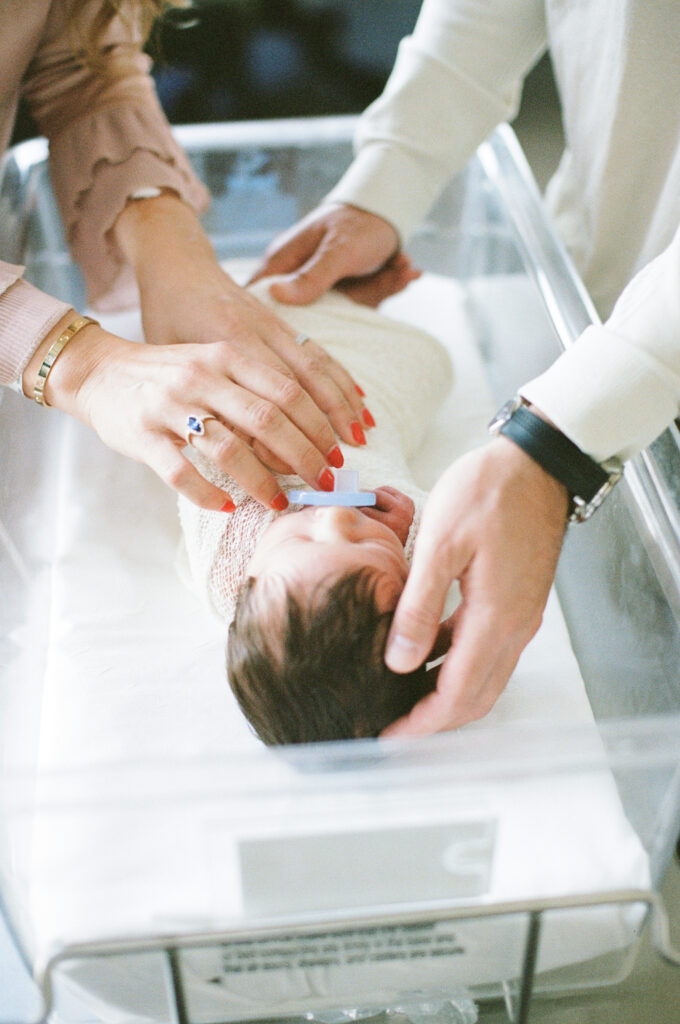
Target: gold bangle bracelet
[55,349]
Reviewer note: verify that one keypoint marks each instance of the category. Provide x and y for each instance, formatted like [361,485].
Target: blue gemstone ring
[195,426]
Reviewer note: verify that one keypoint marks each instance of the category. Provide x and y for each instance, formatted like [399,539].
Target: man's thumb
[411,638]
[308,282]
[298,289]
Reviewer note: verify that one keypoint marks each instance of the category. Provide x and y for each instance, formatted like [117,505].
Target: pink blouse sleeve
[26,316]
[108,137]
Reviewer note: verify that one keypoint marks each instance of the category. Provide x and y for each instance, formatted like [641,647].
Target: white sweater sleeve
[618,386]
[455,78]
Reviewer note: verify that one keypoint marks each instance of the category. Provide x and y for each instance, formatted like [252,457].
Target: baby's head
[305,651]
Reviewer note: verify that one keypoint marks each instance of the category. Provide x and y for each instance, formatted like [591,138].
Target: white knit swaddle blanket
[405,373]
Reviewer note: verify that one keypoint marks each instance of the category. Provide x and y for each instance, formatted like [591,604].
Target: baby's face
[303,548]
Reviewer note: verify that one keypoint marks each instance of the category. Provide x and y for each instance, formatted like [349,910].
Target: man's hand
[337,244]
[495,522]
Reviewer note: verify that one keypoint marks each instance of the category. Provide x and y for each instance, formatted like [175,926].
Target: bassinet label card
[370,867]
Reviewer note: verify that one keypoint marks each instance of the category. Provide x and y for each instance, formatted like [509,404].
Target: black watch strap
[551,449]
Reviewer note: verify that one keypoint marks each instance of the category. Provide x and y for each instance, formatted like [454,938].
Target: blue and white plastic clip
[346,492]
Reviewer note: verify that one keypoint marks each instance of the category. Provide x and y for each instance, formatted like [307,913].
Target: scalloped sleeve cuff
[97,162]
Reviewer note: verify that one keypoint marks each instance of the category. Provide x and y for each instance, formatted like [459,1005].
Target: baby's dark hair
[315,671]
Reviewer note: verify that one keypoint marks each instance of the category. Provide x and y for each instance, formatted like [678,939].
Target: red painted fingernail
[280,502]
[228,506]
[326,480]
[360,391]
[357,433]
[335,458]
[368,419]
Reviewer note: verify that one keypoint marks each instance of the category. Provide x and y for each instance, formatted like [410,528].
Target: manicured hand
[495,522]
[186,297]
[137,398]
[337,244]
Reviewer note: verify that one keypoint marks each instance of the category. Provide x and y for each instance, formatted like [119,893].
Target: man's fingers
[443,639]
[389,280]
[421,720]
[416,621]
[291,251]
[468,686]
[486,643]
[320,272]
[437,562]
[477,667]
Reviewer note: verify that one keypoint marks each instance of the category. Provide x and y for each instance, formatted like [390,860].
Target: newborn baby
[309,593]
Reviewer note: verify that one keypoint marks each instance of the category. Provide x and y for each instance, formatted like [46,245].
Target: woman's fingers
[330,387]
[224,449]
[266,338]
[210,309]
[300,398]
[178,473]
[139,400]
[265,454]
[221,445]
[277,412]
[325,379]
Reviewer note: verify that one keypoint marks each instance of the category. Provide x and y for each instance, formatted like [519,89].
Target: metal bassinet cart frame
[489,222]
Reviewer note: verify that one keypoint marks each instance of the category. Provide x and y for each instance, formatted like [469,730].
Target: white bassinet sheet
[135,674]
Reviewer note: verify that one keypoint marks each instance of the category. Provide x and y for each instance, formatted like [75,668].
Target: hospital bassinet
[181,873]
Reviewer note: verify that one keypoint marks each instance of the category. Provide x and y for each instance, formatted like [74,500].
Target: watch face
[506,412]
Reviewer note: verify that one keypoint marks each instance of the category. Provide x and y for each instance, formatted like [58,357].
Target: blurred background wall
[242,59]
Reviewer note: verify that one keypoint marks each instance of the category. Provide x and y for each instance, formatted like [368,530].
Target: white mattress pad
[135,716]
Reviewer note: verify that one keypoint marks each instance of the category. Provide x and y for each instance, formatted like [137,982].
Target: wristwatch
[587,481]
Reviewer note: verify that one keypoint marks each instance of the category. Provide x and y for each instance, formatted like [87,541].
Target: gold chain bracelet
[55,349]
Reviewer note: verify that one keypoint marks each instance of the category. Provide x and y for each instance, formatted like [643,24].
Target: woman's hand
[186,297]
[137,398]
[337,246]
